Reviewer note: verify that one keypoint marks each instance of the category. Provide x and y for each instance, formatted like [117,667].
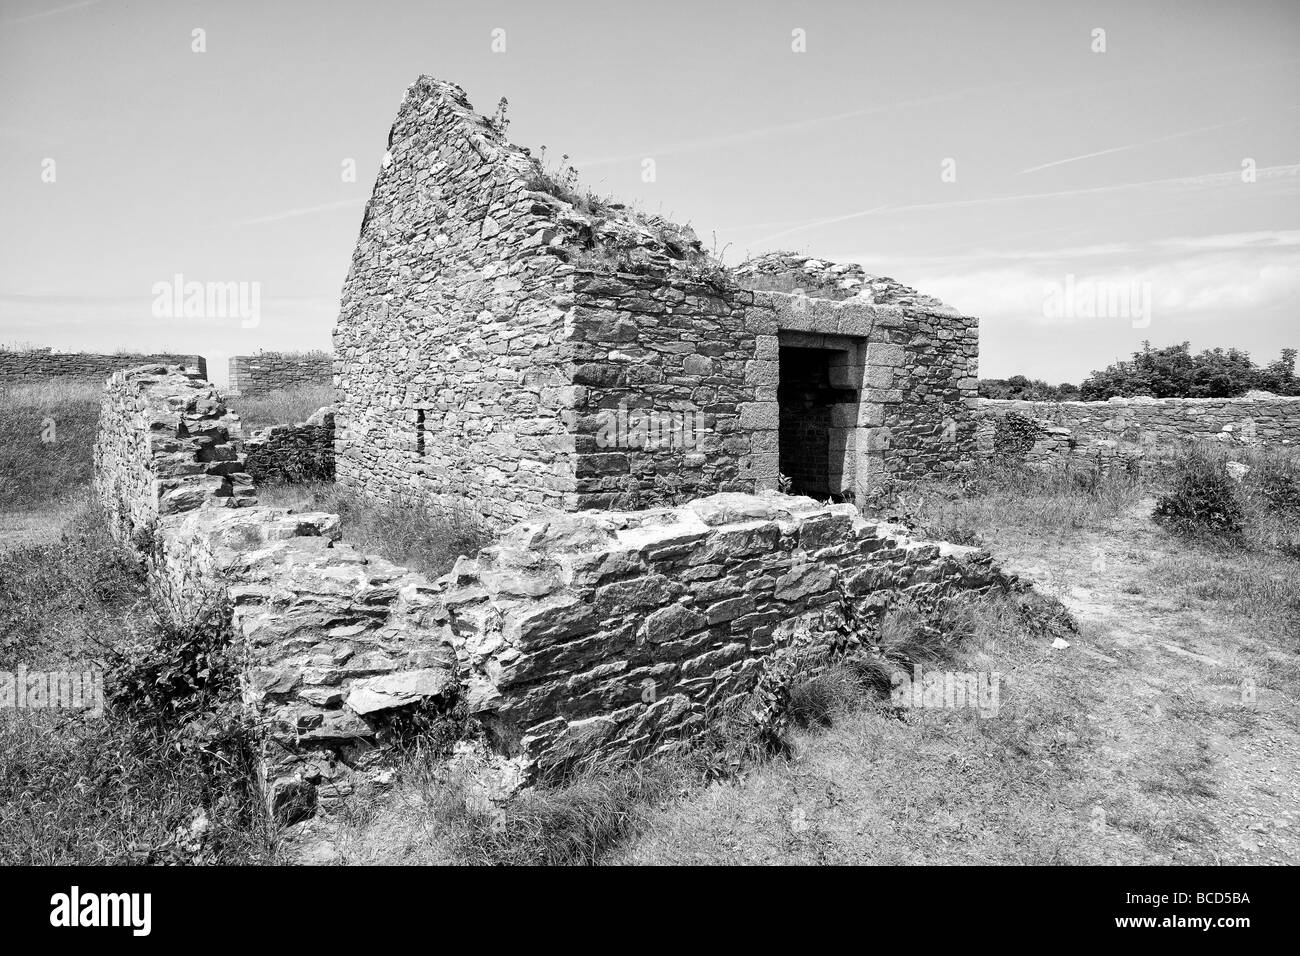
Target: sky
[1079,191]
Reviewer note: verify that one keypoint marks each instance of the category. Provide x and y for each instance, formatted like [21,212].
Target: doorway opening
[808,455]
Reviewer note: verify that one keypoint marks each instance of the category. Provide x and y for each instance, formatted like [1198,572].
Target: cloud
[1214,285]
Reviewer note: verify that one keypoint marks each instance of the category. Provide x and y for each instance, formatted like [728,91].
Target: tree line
[1169,372]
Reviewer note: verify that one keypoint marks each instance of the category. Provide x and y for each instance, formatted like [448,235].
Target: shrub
[165,775]
[1202,498]
[1027,389]
[1174,372]
[1014,436]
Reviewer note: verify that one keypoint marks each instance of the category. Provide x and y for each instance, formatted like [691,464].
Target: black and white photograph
[786,434]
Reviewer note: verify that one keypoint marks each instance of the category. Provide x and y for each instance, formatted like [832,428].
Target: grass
[435,814]
[1081,764]
[424,535]
[65,601]
[161,776]
[47,437]
[1051,503]
[281,407]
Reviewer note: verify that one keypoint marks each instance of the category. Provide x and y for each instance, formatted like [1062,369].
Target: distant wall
[39,365]
[1130,427]
[272,371]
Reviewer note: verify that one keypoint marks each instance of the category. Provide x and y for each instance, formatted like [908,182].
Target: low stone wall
[316,620]
[41,364]
[575,640]
[601,637]
[276,371]
[1129,428]
[293,453]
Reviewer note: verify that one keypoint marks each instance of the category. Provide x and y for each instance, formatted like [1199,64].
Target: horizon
[1004,169]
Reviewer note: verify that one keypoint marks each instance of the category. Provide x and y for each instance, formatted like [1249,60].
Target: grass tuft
[422,534]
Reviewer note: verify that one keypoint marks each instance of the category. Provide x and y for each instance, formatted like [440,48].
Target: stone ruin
[623,409]
[507,341]
[574,640]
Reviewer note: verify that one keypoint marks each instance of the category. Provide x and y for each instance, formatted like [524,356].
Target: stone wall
[590,638]
[1130,428]
[279,371]
[40,364]
[295,453]
[317,621]
[453,371]
[166,444]
[663,373]
[507,340]
[607,636]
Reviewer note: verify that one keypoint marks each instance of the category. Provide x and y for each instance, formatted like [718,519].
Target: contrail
[50,13]
[1207,179]
[1121,149]
[763,131]
[304,211]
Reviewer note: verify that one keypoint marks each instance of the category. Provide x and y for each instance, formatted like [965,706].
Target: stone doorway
[816,422]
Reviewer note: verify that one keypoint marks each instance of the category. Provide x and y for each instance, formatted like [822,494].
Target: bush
[1202,499]
[1026,389]
[1174,372]
[1014,436]
[166,774]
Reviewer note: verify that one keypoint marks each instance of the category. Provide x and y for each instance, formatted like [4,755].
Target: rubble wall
[296,453]
[1044,433]
[35,365]
[279,371]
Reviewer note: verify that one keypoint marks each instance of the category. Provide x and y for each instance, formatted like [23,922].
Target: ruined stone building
[506,338]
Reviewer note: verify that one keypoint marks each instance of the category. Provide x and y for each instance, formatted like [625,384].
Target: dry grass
[1051,503]
[134,785]
[869,784]
[283,407]
[1114,750]
[421,534]
[47,437]
[69,600]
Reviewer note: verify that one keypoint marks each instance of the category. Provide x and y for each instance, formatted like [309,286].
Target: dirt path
[1197,697]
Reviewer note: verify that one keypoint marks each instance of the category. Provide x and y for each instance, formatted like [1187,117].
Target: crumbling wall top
[820,279]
